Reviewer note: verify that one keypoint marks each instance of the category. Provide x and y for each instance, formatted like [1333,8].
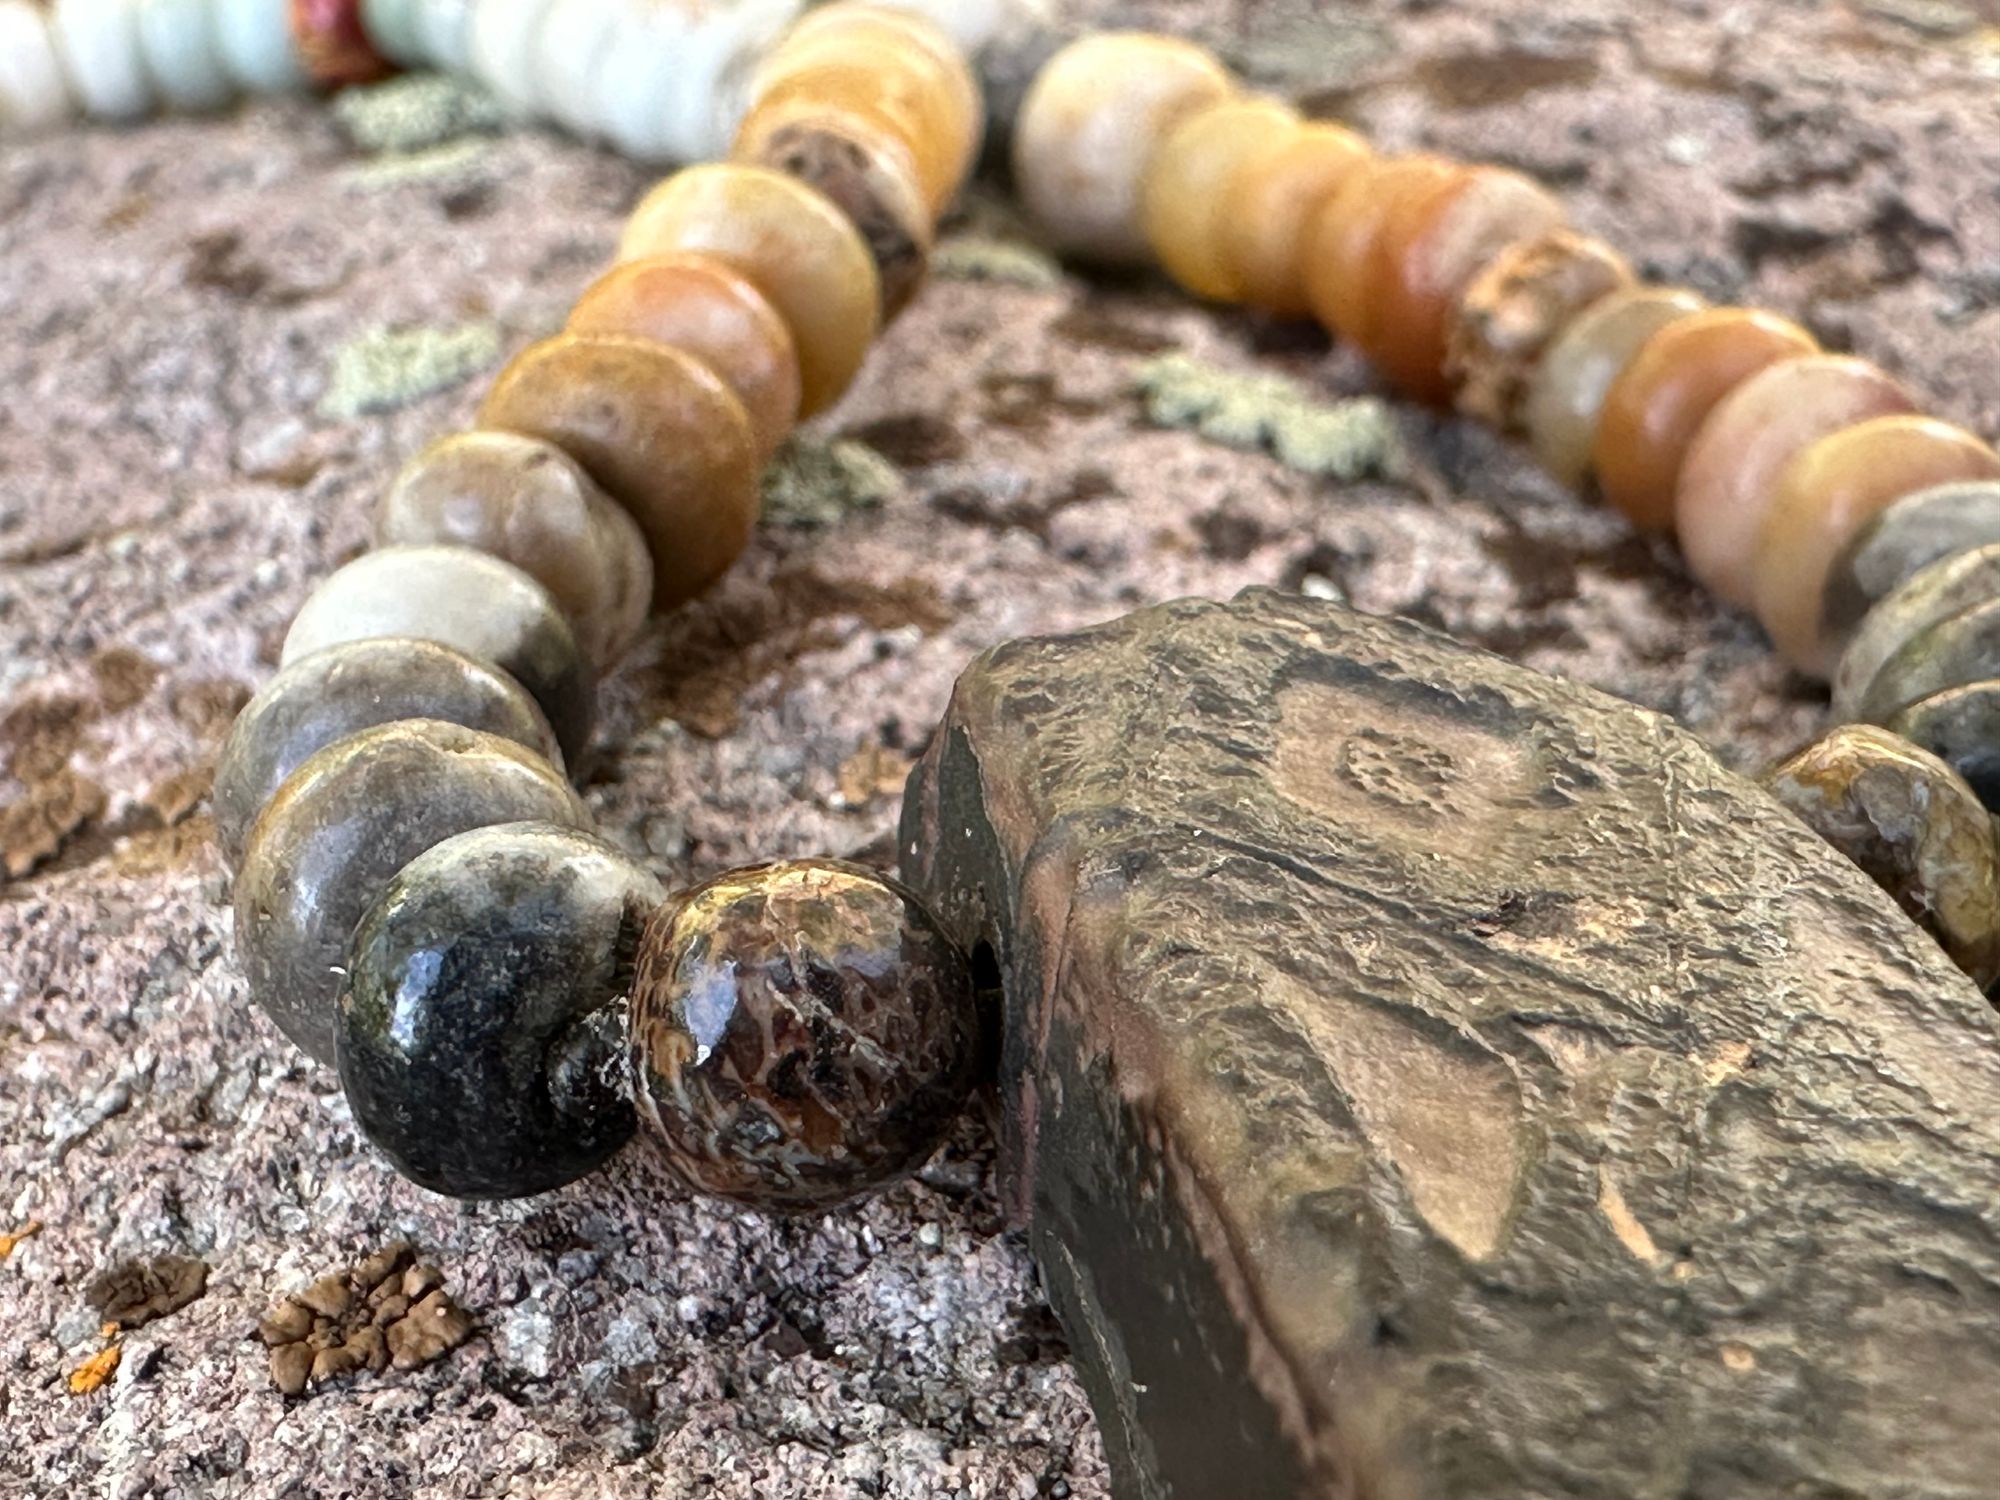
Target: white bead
[391,29]
[974,23]
[34,95]
[183,55]
[257,47]
[503,51]
[570,47]
[673,64]
[444,28]
[98,41]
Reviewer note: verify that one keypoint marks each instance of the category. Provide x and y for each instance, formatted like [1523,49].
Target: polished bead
[98,42]
[34,93]
[391,29]
[1355,244]
[801,1033]
[1269,205]
[1961,727]
[332,45]
[571,42]
[658,430]
[665,76]
[1184,193]
[1566,394]
[1896,544]
[1088,126]
[183,54]
[345,689]
[479,1037]
[530,504]
[791,243]
[1947,587]
[1913,826]
[462,598]
[1730,476]
[1513,310]
[444,31]
[257,47]
[503,41]
[342,825]
[1952,653]
[1660,399]
[1824,496]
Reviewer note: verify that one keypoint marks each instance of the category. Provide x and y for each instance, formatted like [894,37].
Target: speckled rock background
[215,343]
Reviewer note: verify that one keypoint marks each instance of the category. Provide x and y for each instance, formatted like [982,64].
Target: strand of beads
[1806,486]
[419,898]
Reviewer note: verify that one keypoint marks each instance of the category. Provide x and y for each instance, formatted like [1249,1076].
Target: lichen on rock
[386,368]
[1342,440]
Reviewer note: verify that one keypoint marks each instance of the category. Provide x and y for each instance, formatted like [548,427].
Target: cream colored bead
[34,94]
[1184,197]
[673,66]
[98,41]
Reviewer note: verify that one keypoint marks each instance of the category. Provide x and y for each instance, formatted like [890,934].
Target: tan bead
[707,307]
[1824,495]
[1514,309]
[658,429]
[1088,127]
[1356,243]
[1566,395]
[1270,204]
[795,247]
[1729,478]
[529,503]
[1184,195]
[1659,400]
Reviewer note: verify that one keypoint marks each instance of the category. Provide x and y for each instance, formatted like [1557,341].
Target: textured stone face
[1428,1078]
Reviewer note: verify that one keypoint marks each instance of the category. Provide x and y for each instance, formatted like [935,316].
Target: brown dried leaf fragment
[133,1294]
[36,827]
[386,1309]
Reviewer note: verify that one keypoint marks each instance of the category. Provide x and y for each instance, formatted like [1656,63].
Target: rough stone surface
[1376,1008]
[173,302]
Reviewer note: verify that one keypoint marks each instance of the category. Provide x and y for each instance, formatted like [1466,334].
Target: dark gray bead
[1964,648]
[1947,587]
[480,1040]
[467,599]
[353,686]
[339,829]
[1898,543]
[1961,727]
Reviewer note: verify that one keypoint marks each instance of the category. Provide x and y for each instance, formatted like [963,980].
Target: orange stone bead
[1183,199]
[1729,478]
[658,430]
[1270,204]
[791,243]
[702,305]
[1359,235]
[1659,401]
[1824,495]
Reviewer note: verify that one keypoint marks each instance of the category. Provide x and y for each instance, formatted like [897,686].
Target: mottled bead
[1913,826]
[1896,544]
[1184,193]
[98,42]
[479,1037]
[1961,727]
[1952,653]
[1271,202]
[183,54]
[1824,496]
[1947,587]
[345,689]
[658,430]
[34,92]
[465,599]
[1729,478]
[1566,394]
[528,503]
[332,45]
[801,1033]
[1088,126]
[342,825]
[791,243]
[1660,399]
[1513,310]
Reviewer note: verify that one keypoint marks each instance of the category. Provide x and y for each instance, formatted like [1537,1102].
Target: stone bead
[478,1034]
[1088,126]
[257,48]
[98,42]
[1961,727]
[801,1033]
[391,29]
[183,55]
[791,243]
[1896,544]
[342,825]
[571,43]
[1184,193]
[1660,399]
[461,598]
[665,77]
[444,31]
[658,430]
[1913,826]
[332,45]
[1270,204]
[503,40]
[1946,588]
[871,29]
[530,504]
[1566,395]
[1951,653]
[1513,310]
[1360,234]
[345,689]
[1824,496]
[1730,476]
[34,93]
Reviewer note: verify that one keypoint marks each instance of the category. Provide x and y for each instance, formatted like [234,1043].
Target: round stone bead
[34,93]
[1271,202]
[503,40]
[479,1036]
[791,243]
[444,31]
[665,77]
[1952,653]
[1566,394]
[1660,399]
[332,45]
[1730,476]
[461,598]
[1947,587]
[801,1033]
[98,41]
[183,55]
[342,825]
[1357,243]
[257,47]
[345,689]
[530,504]
[1913,826]
[658,430]
[708,308]
[391,27]
[1896,544]
[1184,194]
[1088,126]
[1824,496]
[571,44]
[1961,727]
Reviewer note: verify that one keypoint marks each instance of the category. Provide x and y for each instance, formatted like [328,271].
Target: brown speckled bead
[802,1033]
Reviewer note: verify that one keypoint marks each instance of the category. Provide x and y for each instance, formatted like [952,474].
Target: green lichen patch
[415,111]
[1342,440]
[460,159]
[388,368]
[978,258]
[811,483]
